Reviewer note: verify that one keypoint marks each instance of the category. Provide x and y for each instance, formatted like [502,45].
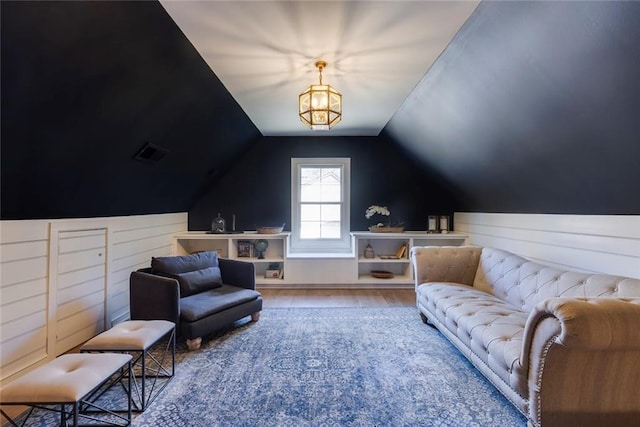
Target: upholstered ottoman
[75,380]
[138,337]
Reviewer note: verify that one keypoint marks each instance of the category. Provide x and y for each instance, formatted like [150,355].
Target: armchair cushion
[205,304]
[195,273]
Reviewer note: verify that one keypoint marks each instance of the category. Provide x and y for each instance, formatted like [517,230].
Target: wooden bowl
[382,274]
[270,230]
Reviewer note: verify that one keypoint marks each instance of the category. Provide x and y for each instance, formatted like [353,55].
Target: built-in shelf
[320,271]
[229,246]
[388,244]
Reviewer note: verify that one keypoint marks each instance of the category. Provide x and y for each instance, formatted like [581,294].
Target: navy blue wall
[84,86]
[258,187]
[534,107]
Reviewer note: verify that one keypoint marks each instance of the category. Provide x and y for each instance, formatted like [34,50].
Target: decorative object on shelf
[444,224]
[244,248]
[381,227]
[382,274]
[233,226]
[320,106]
[270,230]
[402,251]
[368,251]
[218,225]
[376,210]
[432,224]
[260,246]
[274,271]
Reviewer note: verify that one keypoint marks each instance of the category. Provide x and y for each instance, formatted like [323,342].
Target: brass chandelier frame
[320,106]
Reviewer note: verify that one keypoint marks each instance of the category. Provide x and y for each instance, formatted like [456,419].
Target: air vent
[150,153]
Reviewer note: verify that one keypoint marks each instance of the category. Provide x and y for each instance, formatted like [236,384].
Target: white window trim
[340,247]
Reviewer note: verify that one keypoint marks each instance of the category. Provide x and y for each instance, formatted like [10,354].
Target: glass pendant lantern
[320,106]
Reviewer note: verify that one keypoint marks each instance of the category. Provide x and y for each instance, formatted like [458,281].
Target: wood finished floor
[278,298]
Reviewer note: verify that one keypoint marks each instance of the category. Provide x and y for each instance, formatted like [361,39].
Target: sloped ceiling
[534,107]
[84,86]
[264,53]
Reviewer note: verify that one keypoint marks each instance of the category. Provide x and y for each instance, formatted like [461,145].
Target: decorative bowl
[382,274]
[270,229]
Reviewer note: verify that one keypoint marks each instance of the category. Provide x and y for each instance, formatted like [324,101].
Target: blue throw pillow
[195,273]
[184,263]
[194,282]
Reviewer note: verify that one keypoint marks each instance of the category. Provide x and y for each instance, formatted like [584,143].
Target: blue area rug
[327,367]
[330,367]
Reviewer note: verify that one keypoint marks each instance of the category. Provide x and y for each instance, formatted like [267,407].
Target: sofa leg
[424,318]
[255,316]
[194,344]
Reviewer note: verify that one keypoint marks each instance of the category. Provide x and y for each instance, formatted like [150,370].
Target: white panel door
[80,290]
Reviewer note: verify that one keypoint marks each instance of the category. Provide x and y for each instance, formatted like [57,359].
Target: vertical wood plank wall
[593,243]
[25,275]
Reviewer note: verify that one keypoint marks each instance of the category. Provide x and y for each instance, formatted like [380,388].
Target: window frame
[341,245]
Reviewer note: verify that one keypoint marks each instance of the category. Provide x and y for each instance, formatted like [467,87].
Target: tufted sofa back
[524,283]
[456,264]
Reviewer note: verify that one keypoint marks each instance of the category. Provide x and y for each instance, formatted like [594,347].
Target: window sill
[324,255]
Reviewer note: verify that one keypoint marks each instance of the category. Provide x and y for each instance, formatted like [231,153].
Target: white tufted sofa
[562,346]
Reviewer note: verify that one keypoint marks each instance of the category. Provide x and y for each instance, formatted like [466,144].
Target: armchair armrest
[457,264]
[238,273]
[153,297]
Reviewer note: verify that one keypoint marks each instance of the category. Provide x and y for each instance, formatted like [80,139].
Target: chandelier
[320,106]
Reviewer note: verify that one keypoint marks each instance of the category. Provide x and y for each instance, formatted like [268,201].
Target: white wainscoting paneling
[26,275]
[23,294]
[592,243]
[132,243]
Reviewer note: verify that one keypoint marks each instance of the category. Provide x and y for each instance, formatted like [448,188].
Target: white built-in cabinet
[321,270]
[227,246]
[387,245]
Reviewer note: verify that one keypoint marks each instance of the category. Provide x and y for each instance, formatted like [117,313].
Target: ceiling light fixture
[320,106]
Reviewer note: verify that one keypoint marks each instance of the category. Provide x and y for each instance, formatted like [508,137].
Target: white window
[320,205]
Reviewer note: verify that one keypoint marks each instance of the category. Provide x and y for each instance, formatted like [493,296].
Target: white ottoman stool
[74,380]
[138,337]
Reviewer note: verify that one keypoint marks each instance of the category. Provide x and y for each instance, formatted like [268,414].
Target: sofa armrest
[154,297]
[591,323]
[456,264]
[238,273]
[581,358]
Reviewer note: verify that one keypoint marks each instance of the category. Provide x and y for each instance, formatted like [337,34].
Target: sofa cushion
[198,306]
[491,328]
[193,282]
[184,263]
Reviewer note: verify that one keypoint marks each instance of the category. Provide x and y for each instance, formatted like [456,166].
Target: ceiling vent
[150,153]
